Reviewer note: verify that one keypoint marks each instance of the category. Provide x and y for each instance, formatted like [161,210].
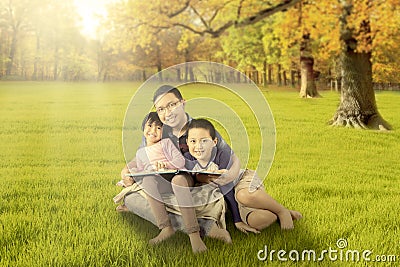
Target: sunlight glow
[91,11]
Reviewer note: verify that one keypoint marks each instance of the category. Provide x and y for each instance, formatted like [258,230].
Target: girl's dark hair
[150,118]
[165,89]
[203,124]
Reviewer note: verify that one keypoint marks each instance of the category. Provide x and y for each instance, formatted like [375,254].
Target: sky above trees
[91,13]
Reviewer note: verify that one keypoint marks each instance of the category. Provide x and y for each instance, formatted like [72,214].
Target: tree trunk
[293,78]
[269,74]
[308,88]
[279,75]
[55,68]
[159,64]
[144,76]
[191,74]
[13,49]
[178,75]
[284,78]
[357,105]
[37,57]
[265,73]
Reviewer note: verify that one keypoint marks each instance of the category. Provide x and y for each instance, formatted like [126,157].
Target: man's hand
[219,179]
[241,226]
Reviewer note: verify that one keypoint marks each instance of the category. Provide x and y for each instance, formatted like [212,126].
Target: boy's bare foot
[285,219]
[295,215]
[164,234]
[219,233]
[122,208]
[197,243]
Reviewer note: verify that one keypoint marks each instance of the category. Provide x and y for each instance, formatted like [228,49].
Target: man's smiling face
[170,110]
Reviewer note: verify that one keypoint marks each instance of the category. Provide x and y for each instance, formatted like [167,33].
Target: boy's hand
[204,178]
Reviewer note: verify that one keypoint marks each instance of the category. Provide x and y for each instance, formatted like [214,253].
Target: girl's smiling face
[200,144]
[152,132]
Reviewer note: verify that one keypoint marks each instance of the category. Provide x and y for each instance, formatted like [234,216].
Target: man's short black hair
[150,118]
[165,89]
[203,124]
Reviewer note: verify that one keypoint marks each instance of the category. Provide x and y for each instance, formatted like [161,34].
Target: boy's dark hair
[203,124]
[150,118]
[165,89]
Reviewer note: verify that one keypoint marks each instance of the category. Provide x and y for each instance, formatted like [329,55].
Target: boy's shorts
[250,181]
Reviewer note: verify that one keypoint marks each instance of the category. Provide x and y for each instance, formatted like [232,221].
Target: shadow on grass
[243,250]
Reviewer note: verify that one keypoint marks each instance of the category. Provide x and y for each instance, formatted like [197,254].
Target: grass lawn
[61,154]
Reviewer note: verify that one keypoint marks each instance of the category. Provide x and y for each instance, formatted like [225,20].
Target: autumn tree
[244,48]
[358,105]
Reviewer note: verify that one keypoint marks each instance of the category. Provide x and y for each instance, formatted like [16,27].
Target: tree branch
[262,14]
[239,10]
[200,17]
[187,27]
[179,11]
[247,21]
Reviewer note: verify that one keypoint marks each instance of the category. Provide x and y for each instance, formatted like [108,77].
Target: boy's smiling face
[152,132]
[200,144]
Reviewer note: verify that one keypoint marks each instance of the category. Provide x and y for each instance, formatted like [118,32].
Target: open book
[144,173]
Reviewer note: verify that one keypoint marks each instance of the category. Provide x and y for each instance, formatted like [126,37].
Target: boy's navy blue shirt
[222,159]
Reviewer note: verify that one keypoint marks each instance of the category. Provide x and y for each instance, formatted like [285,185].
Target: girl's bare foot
[163,235]
[295,215]
[219,233]
[197,243]
[285,219]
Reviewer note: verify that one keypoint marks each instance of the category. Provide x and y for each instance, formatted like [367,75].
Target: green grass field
[61,154]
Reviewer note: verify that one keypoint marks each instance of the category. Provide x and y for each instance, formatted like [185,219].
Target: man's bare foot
[219,233]
[163,235]
[122,208]
[197,243]
[295,215]
[285,219]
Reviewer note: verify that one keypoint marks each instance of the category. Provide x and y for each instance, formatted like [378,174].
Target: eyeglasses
[170,107]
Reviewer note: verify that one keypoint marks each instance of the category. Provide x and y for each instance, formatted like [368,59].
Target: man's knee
[244,196]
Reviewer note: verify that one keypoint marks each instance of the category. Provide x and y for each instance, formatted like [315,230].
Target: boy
[204,155]
[257,209]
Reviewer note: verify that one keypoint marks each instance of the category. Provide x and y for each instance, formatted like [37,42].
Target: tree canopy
[138,38]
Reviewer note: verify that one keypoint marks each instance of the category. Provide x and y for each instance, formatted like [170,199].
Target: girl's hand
[161,166]
[128,181]
[127,171]
[241,226]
